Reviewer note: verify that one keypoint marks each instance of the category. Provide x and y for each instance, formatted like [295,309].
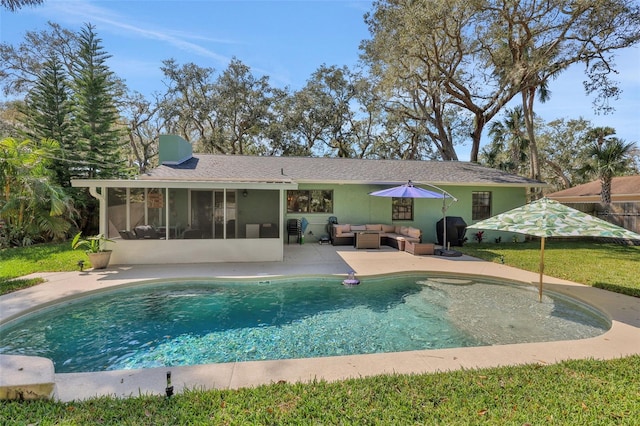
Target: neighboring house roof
[237,168]
[623,189]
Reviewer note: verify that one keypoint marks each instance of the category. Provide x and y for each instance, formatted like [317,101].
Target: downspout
[167,225]
[103,207]
[281,224]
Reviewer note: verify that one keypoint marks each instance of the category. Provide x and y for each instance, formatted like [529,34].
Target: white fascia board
[144,183]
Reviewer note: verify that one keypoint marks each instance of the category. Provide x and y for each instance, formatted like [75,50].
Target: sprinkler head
[169,389]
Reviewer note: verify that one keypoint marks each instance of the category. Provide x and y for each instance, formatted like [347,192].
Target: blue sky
[285,40]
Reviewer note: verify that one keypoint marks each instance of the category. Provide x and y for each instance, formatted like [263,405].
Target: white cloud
[80,12]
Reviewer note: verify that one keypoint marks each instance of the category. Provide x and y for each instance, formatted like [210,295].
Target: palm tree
[610,157]
[33,209]
[509,144]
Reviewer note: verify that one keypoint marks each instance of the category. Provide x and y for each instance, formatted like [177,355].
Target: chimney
[173,150]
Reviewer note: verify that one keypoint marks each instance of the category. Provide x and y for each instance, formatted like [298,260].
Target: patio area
[314,259]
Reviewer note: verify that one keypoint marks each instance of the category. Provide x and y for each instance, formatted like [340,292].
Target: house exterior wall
[140,252]
[354,205]
[502,200]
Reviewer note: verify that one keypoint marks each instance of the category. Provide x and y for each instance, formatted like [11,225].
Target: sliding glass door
[213,214]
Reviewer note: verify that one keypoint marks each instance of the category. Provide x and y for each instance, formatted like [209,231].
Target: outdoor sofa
[390,235]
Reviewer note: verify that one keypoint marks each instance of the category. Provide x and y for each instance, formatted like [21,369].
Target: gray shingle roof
[235,168]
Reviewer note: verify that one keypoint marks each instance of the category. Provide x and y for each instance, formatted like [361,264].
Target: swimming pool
[196,322]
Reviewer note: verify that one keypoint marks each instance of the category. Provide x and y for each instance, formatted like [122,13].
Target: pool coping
[619,341]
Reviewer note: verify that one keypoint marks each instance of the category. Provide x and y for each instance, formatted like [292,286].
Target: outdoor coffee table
[367,240]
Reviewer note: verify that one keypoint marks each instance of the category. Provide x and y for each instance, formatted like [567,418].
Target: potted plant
[94,247]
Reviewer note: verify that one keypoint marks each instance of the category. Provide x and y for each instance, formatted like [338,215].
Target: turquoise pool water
[195,322]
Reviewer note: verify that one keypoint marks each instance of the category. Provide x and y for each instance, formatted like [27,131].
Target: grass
[585,392]
[610,266]
[22,261]
[573,392]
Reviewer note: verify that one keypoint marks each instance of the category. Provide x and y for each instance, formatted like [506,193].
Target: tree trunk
[605,193]
[478,126]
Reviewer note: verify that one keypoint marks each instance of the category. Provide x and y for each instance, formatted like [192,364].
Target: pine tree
[95,112]
[47,114]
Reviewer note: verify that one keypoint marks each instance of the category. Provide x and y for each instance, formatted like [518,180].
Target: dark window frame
[310,201]
[481,204]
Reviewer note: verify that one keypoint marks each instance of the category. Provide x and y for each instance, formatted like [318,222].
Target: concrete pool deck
[310,259]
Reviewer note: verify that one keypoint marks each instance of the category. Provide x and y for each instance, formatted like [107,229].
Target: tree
[563,152]
[189,107]
[13,5]
[510,143]
[609,156]
[243,109]
[144,127]
[47,114]
[95,113]
[475,56]
[21,66]
[322,115]
[32,207]
[10,119]
[416,54]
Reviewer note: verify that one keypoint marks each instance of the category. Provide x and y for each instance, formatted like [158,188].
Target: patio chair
[294,228]
[127,235]
[192,234]
[146,232]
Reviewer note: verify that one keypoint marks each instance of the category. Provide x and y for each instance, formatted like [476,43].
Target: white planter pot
[99,260]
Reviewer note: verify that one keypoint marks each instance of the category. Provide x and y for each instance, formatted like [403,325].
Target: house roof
[623,189]
[236,168]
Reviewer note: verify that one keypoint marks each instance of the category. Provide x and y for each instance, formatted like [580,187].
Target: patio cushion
[358,228]
[376,227]
[388,228]
[341,230]
[413,233]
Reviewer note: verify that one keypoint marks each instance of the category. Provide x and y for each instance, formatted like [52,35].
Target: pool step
[26,377]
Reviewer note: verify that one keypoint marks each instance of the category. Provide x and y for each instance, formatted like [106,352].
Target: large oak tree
[470,58]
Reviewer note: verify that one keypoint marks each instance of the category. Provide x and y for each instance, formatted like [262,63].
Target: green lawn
[577,392]
[610,266]
[570,393]
[18,262]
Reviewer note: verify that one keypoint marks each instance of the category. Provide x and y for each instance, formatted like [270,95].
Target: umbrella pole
[444,224]
[541,268]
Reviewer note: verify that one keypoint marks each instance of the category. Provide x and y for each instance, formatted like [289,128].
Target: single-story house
[624,209]
[196,208]
[624,189]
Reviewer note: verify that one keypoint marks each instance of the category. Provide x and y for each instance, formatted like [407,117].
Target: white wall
[132,252]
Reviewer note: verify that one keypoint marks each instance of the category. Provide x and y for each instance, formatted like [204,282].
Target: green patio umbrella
[548,218]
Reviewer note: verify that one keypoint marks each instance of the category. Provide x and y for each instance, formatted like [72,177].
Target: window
[402,209]
[481,205]
[311,201]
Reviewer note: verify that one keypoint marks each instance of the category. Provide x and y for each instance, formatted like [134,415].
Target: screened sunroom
[163,221]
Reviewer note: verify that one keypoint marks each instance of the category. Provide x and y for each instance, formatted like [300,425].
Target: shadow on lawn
[618,289]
